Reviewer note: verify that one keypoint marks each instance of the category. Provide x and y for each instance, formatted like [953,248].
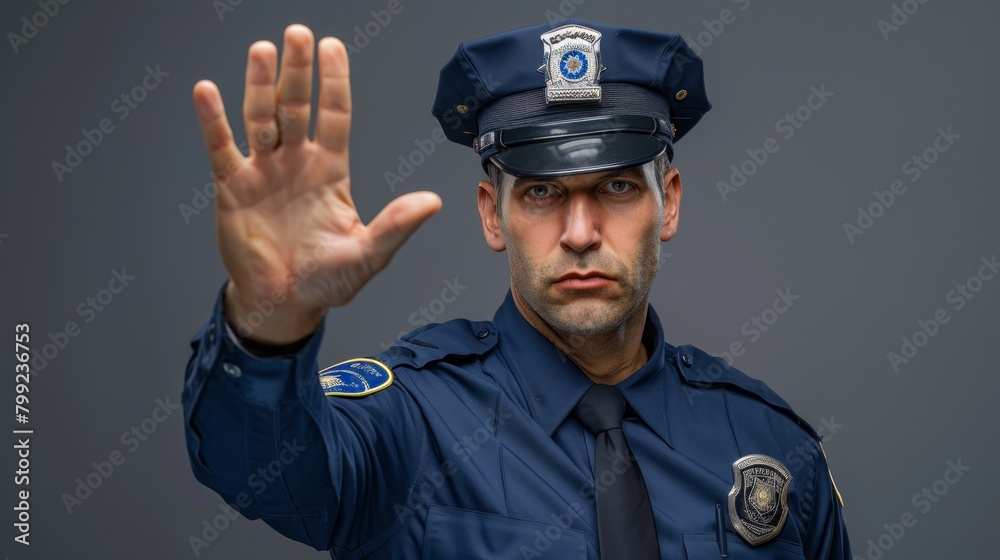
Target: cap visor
[580,154]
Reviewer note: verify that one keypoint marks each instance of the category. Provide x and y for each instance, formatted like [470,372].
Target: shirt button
[211,333]
[686,360]
[232,369]
[483,333]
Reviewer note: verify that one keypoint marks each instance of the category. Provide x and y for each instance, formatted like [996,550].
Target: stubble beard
[587,314]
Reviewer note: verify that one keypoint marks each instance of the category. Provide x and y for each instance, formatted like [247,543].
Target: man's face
[584,249]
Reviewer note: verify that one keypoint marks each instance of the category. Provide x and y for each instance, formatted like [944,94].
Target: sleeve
[325,471]
[826,534]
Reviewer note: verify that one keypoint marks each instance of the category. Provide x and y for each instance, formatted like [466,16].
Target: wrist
[267,323]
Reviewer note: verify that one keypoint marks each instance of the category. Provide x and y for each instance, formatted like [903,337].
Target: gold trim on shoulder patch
[357,377]
[758,502]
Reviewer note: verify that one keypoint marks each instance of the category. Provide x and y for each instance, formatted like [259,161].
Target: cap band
[589,126]
[529,107]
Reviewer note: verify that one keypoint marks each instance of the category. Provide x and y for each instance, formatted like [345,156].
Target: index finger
[222,150]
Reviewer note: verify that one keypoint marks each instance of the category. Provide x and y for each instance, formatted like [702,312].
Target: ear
[486,198]
[672,203]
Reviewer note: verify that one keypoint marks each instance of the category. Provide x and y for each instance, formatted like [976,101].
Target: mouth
[583,281]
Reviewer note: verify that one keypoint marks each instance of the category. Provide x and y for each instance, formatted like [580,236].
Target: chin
[586,317]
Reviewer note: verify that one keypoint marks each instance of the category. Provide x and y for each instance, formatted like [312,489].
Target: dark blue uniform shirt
[473,451]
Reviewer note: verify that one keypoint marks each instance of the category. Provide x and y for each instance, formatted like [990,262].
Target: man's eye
[618,187]
[540,191]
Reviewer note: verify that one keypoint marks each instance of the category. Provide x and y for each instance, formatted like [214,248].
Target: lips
[583,280]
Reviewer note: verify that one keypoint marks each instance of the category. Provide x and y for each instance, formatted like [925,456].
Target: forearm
[262,433]
[252,426]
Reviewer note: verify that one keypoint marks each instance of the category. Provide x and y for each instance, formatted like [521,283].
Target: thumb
[399,219]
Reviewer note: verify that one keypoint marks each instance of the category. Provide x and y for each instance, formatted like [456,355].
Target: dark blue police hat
[604,97]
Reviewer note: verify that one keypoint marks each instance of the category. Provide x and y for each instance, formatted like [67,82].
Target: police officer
[566,427]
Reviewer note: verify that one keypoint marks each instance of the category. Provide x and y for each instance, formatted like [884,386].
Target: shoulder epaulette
[703,370]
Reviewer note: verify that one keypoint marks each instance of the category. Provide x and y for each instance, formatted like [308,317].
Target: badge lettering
[355,378]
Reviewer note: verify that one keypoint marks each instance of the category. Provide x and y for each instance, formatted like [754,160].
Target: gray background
[782,229]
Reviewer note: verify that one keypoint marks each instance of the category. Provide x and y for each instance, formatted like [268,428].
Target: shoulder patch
[357,377]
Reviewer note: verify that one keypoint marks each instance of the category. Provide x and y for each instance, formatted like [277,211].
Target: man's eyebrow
[627,172]
[522,180]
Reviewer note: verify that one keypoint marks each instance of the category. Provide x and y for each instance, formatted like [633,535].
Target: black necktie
[624,516]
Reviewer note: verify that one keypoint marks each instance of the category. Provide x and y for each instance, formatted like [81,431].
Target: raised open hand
[289,232]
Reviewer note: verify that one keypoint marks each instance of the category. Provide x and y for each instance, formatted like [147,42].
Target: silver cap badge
[572,64]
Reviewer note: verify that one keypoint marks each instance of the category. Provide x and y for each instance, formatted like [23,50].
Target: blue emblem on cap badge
[758,502]
[355,378]
[572,64]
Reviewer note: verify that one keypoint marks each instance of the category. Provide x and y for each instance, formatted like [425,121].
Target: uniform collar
[555,384]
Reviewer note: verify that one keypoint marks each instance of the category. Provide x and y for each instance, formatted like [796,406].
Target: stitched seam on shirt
[497,424]
[503,448]
[385,534]
[276,419]
[301,396]
[496,434]
[809,497]
[732,426]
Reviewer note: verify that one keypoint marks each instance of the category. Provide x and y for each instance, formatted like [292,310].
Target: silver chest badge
[758,502]
[572,64]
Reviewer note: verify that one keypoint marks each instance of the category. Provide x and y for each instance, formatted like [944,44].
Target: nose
[582,230]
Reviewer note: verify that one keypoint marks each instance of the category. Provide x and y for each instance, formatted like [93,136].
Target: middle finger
[295,85]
